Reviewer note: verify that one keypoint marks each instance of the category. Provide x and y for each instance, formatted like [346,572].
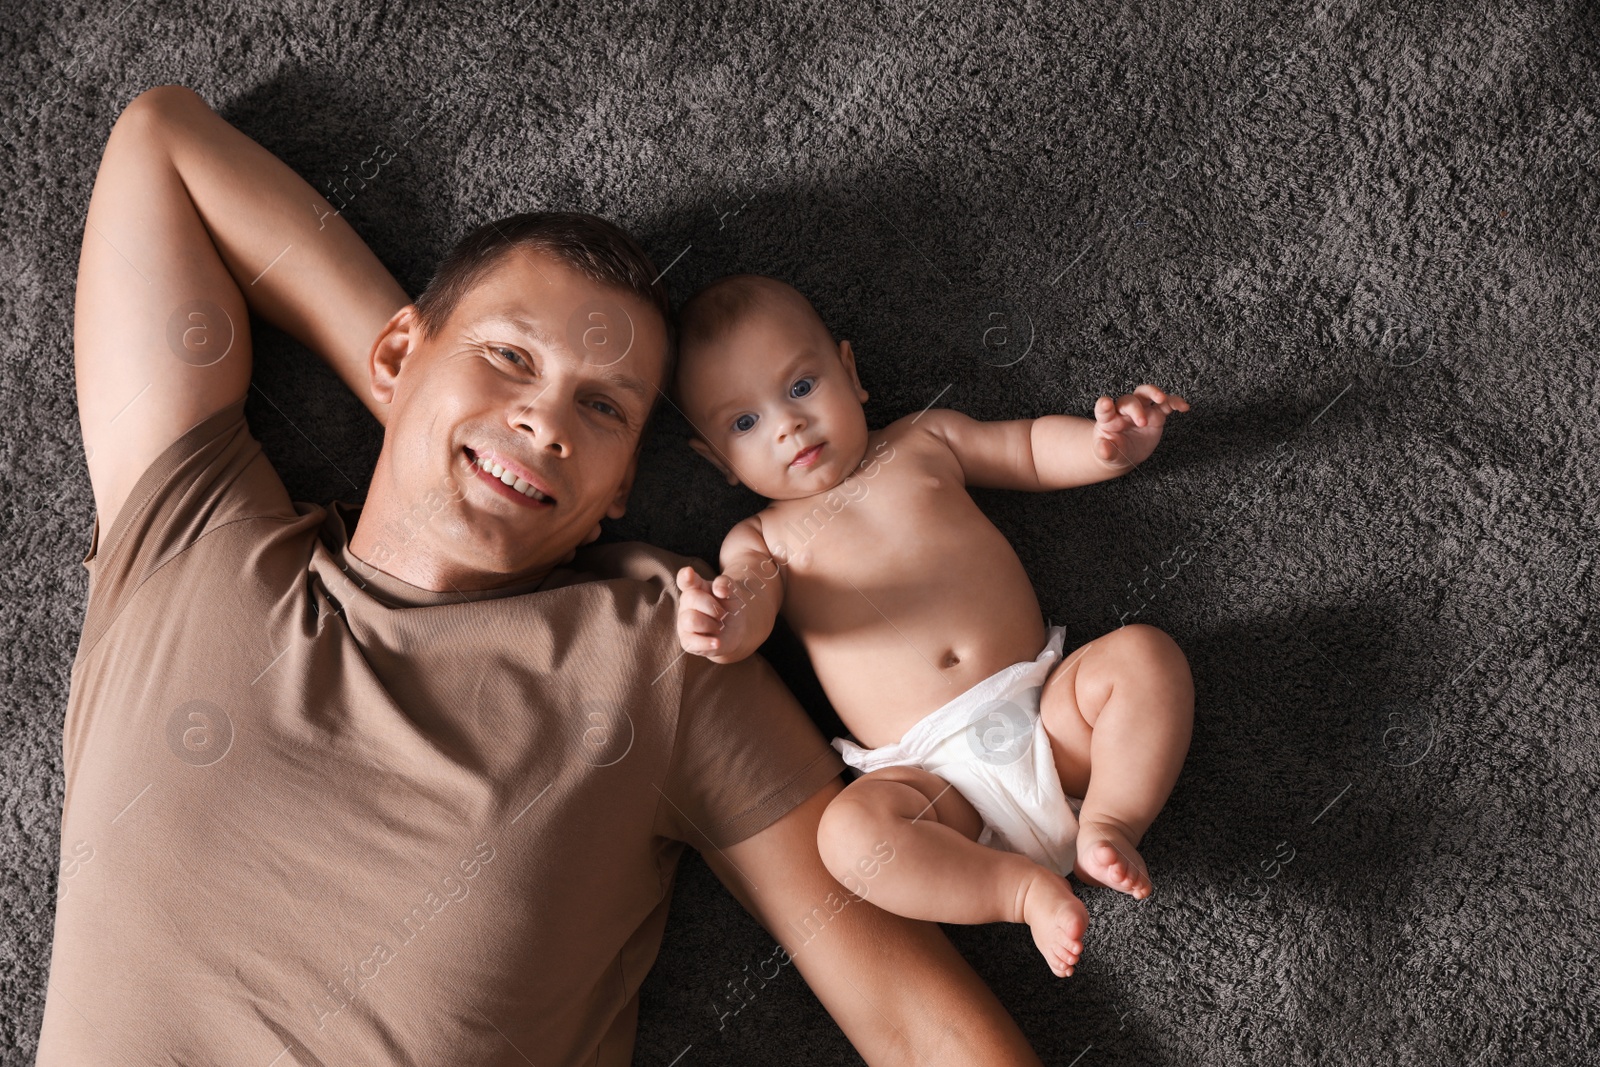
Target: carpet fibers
[1359,238]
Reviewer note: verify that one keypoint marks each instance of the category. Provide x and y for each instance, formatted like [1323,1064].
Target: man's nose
[547,417]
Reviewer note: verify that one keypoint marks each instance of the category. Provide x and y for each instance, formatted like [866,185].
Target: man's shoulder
[651,566]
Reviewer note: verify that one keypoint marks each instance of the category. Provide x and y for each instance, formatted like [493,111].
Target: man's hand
[711,623]
[1128,429]
[897,988]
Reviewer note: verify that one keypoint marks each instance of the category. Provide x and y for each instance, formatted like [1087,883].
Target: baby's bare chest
[888,526]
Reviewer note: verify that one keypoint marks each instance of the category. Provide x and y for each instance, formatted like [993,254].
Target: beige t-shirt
[316,815]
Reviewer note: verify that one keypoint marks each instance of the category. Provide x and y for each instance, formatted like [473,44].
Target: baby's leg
[906,840]
[1123,705]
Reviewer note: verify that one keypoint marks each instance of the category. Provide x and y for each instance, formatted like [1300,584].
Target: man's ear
[399,336]
[848,358]
[619,503]
[716,459]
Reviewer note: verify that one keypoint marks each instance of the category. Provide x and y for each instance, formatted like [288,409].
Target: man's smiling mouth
[510,481]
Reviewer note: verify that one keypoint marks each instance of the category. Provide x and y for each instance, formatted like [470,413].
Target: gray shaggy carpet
[1358,237]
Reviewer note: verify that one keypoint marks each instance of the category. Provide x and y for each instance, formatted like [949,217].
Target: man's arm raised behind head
[192,227]
[896,986]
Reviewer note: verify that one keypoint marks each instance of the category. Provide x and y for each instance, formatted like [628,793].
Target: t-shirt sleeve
[745,754]
[213,475]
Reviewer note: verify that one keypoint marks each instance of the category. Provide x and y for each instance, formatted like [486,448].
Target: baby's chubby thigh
[864,828]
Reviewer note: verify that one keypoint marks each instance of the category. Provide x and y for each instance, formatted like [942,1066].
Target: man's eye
[608,407]
[741,425]
[803,385]
[510,355]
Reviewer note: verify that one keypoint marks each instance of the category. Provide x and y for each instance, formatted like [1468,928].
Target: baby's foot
[1106,856]
[1057,918]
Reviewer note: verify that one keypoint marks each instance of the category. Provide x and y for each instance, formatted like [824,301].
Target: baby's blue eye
[797,385]
[740,425]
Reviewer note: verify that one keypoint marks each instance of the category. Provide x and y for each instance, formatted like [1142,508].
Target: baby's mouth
[808,456]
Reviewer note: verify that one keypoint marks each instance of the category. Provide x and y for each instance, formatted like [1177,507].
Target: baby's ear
[848,358]
[716,461]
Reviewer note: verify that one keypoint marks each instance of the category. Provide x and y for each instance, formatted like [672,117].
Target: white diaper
[990,743]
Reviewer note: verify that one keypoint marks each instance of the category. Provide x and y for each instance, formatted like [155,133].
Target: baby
[992,765]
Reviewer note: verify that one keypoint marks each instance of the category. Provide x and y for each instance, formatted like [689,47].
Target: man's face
[775,388]
[539,372]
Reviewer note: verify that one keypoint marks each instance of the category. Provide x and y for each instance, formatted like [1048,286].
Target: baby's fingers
[1107,415]
[1150,393]
[1133,406]
[699,623]
[1168,402]
[1110,450]
[703,602]
[699,644]
[689,578]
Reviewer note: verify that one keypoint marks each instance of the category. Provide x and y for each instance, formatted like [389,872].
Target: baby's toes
[1124,874]
[1111,862]
[1102,861]
[1063,960]
[1058,920]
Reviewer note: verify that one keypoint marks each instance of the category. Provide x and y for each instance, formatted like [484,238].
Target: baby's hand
[710,623]
[1126,431]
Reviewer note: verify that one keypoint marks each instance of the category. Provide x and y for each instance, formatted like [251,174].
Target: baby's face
[776,404]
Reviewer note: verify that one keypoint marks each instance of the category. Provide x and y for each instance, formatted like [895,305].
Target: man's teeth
[511,479]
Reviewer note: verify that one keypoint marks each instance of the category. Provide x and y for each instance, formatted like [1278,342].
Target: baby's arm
[728,619]
[1057,451]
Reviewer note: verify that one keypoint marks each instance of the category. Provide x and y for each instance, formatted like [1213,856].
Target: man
[395,784]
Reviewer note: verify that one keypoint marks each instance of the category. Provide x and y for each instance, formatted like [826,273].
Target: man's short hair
[593,246]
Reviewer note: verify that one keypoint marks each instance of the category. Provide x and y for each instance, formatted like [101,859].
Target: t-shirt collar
[342,518]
